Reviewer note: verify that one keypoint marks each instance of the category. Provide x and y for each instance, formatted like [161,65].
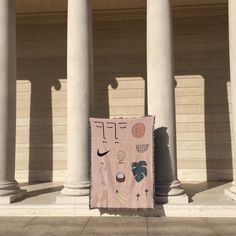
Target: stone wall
[202,81]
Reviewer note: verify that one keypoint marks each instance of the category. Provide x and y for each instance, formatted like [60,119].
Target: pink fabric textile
[122,163]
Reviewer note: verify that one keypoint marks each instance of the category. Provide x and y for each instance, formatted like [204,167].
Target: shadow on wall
[41,129]
[162,159]
[217,129]
[41,60]
[119,52]
[40,167]
[101,98]
[218,151]
[126,101]
[207,55]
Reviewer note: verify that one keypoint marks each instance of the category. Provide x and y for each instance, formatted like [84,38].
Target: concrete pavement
[128,226]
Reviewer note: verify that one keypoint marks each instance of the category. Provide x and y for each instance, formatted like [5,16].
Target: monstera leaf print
[139,170]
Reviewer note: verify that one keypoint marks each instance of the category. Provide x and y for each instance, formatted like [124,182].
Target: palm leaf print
[139,170]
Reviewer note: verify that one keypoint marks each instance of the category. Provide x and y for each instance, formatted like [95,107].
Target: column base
[179,199]
[75,189]
[9,188]
[13,197]
[173,188]
[171,193]
[231,192]
[73,200]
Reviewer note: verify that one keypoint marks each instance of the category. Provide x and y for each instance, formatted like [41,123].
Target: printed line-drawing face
[110,125]
[121,163]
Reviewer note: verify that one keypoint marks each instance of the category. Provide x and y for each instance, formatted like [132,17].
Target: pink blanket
[122,163]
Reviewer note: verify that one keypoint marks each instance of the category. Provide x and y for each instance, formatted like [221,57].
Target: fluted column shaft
[80,95]
[8,185]
[161,95]
[232,53]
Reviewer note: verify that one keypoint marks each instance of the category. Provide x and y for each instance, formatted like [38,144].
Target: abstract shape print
[122,163]
[120,177]
[138,130]
[142,147]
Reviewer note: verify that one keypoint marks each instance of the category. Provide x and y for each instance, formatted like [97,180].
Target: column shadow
[101,95]
[40,162]
[114,61]
[101,101]
[162,159]
[217,125]
[41,129]
[217,130]
[41,60]
[192,189]
[203,51]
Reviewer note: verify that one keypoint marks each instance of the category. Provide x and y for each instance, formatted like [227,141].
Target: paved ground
[128,226]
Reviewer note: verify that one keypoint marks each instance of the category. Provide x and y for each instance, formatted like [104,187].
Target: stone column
[9,189]
[231,192]
[161,98]
[80,97]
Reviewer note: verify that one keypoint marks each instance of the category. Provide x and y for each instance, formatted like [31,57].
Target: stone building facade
[61,63]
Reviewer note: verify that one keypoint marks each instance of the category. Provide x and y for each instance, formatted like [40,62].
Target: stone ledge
[12,198]
[167,210]
[73,200]
[84,200]
[179,199]
[230,194]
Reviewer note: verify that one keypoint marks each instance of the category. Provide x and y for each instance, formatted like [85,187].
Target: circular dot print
[138,130]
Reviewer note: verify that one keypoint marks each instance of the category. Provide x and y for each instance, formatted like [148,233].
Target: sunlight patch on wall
[190,124]
[128,98]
